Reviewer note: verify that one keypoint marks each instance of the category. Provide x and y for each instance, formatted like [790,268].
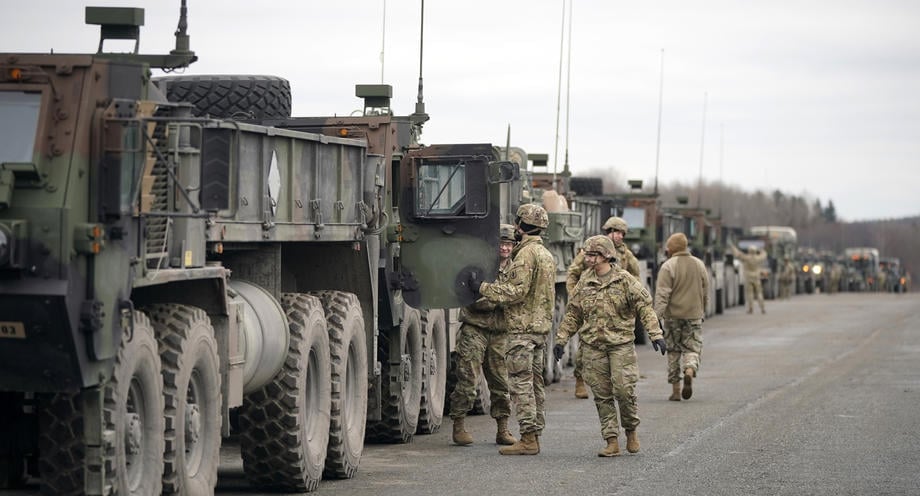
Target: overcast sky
[815,97]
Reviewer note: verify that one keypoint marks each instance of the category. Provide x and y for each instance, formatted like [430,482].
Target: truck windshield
[18,125]
[634,217]
[441,188]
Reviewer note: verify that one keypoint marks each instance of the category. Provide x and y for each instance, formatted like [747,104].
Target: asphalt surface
[820,396]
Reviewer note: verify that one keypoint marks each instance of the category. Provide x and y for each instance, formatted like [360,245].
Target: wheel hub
[192,423]
[134,433]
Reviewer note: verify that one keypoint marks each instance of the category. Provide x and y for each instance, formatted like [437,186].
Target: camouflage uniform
[751,263]
[481,345]
[527,295]
[624,259]
[681,298]
[786,280]
[603,312]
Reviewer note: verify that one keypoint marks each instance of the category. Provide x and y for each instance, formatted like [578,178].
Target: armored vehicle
[862,268]
[181,261]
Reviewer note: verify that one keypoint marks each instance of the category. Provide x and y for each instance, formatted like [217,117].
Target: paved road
[819,396]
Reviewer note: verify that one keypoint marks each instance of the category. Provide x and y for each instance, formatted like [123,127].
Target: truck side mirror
[503,172]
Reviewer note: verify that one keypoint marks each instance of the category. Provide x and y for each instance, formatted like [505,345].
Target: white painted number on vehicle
[12,330]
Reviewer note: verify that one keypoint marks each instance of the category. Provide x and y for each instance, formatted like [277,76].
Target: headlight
[817,269]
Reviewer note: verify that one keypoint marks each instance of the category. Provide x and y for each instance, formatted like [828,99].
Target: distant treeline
[815,221]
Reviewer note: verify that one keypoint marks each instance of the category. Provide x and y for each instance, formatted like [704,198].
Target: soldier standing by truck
[615,228]
[481,345]
[602,311]
[528,296]
[751,261]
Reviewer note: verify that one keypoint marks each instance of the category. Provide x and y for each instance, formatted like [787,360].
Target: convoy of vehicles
[179,265]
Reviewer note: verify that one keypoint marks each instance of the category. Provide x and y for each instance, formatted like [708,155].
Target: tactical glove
[474,281]
[558,350]
[659,345]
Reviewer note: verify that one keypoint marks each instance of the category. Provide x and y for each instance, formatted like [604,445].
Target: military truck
[862,268]
[181,261]
[778,242]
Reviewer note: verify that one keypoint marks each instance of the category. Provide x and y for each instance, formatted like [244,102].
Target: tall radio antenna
[559,95]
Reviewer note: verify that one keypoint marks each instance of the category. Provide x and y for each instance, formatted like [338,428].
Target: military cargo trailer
[169,279]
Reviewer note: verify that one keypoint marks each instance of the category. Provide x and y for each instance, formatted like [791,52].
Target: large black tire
[191,391]
[231,96]
[284,427]
[348,349]
[401,388]
[434,372]
[132,409]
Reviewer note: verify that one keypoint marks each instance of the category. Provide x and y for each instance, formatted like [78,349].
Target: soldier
[681,297]
[836,273]
[527,296]
[603,311]
[615,228]
[481,345]
[786,279]
[751,261]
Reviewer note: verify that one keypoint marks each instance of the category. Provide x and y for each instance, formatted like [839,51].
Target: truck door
[449,216]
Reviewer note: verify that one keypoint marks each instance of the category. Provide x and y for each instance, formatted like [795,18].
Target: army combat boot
[580,390]
[675,392]
[502,434]
[612,449]
[688,384]
[632,442]
[526,446]
[461,437]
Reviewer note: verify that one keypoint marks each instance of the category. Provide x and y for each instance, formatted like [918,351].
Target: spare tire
[231,96]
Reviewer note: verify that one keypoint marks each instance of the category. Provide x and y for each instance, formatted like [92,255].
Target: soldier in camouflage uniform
[615,228]
[786,279]
[681,298]
[527,296]
[481,345]
[751,261]
[603,312]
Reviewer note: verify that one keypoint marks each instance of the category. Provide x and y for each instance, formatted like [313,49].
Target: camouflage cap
[600,244]
[615,224]
[506,232]
[534,215]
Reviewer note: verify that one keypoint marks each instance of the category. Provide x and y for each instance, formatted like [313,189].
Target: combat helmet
[601,244]
[506,232]
[533,214]
[615,224]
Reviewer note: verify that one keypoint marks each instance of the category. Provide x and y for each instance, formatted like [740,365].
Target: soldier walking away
[615,228]
[786,279]
[527,296]
[603,312]
[481,345]
[681,297]
[751,261]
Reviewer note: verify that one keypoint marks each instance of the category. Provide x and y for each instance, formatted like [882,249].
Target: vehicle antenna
[420,116]
[559,96]
[699,184]
[721,160]
[568,106]
[383,40]
[660,95]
